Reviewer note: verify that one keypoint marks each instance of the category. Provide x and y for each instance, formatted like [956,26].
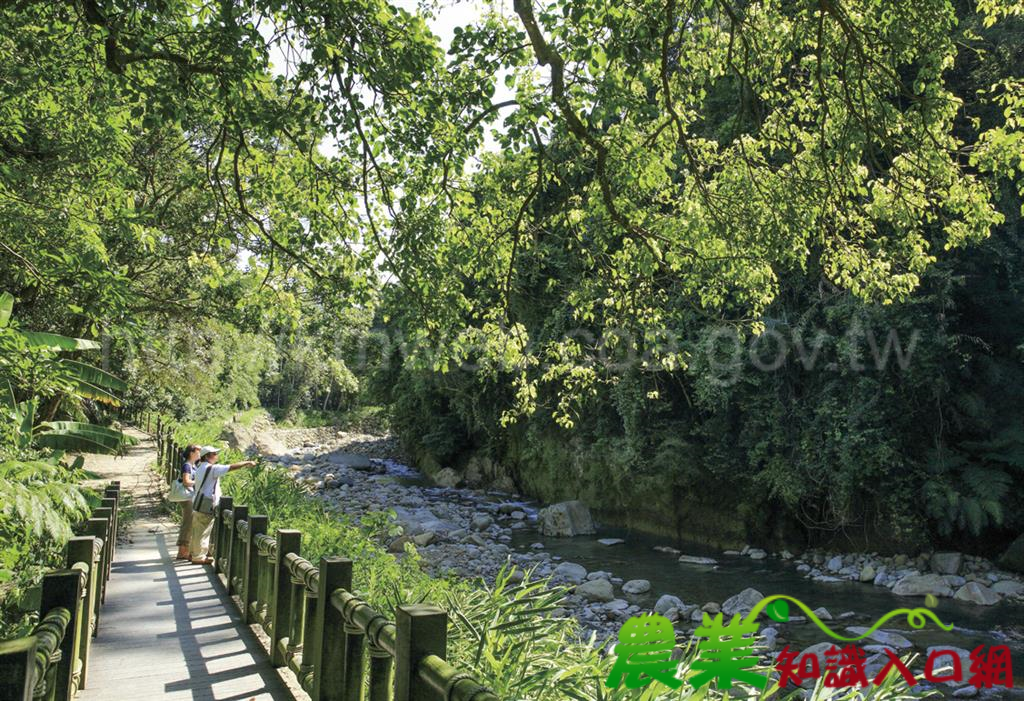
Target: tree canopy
[561,187]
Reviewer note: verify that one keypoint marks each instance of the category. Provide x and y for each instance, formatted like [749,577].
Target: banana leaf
[53,341]
[83,437]
[6,307]
[94,383]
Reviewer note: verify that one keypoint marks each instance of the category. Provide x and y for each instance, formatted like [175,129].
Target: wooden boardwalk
[167,630]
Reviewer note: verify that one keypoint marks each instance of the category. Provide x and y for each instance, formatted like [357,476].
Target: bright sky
[446,16]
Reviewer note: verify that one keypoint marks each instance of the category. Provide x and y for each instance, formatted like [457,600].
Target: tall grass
[503,634]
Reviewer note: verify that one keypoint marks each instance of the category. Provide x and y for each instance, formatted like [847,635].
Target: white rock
[1008,587]
[571,572]
[742,602]
[977,594]
[596,590]
[666,602]
[922,584]
[636,586]
[886,637]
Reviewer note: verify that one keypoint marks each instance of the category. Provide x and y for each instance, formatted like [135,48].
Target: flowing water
[636,558]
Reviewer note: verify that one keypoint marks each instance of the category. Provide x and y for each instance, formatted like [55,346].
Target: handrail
[334,643]
[53,662]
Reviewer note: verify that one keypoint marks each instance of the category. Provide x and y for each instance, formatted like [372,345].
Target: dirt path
[134,470]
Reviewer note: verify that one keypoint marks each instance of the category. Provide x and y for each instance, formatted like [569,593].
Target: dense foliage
[585,278]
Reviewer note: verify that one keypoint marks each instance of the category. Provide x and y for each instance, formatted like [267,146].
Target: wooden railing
[332,641]
[168,452]
[52,663]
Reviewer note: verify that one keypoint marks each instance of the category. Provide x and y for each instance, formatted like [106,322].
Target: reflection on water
[698,584]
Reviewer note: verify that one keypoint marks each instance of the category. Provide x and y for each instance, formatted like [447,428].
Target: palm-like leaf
[79,436]
[94,383]
[6,307]
[41,340]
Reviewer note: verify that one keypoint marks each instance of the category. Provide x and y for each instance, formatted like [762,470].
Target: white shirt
[211,487]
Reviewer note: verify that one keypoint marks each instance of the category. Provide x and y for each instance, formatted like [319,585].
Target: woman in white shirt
[204,503]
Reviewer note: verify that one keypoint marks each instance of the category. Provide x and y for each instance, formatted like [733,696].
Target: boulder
[423,539]
[756,554]
[398,544]
[697,560]
[947,661]
[946,563]
[600,574]
[977,594]
[481,522]
[569,518]
[1013,558]
[767,638]
[885,637]
[742,603]
[420,520]
[351,460]
[835,564]
[596,590]
[922,585]
[447,477]
[667,602]
[867,574]
[1008,587]
[610,541]
[636,586]
[822,613]
[571,572]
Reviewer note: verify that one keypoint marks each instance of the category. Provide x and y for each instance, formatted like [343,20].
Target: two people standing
[197,513]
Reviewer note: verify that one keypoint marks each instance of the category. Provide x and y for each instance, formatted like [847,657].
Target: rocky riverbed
[475,534]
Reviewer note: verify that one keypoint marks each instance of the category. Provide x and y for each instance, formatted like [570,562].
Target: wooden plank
[170,632]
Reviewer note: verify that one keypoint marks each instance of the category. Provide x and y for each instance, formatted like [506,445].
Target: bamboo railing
[52,663]
[334,643]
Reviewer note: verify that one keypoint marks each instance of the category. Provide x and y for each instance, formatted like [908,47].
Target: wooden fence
[333,642]
[52,663]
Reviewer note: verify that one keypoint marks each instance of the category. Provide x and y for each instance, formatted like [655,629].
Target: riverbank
[474,534]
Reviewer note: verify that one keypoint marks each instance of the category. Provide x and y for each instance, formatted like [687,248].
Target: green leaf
[79,436]
[42,340]
[6,307]
[93,383]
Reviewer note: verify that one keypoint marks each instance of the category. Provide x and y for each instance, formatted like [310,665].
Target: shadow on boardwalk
[168,630]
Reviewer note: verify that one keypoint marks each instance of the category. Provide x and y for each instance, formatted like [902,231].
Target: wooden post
[288,541]
[353,688]
[328,648]
[239,513]
[380,675]
[250,567]
[17,664]
[113,491]
[219,540]
[98,527]
[420,630]
[85,549]
[107,514]
[64,588]
[111,503]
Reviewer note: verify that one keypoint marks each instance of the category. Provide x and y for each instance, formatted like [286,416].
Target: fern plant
[39,500]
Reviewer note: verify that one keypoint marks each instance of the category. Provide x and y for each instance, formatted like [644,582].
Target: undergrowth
[503,634]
